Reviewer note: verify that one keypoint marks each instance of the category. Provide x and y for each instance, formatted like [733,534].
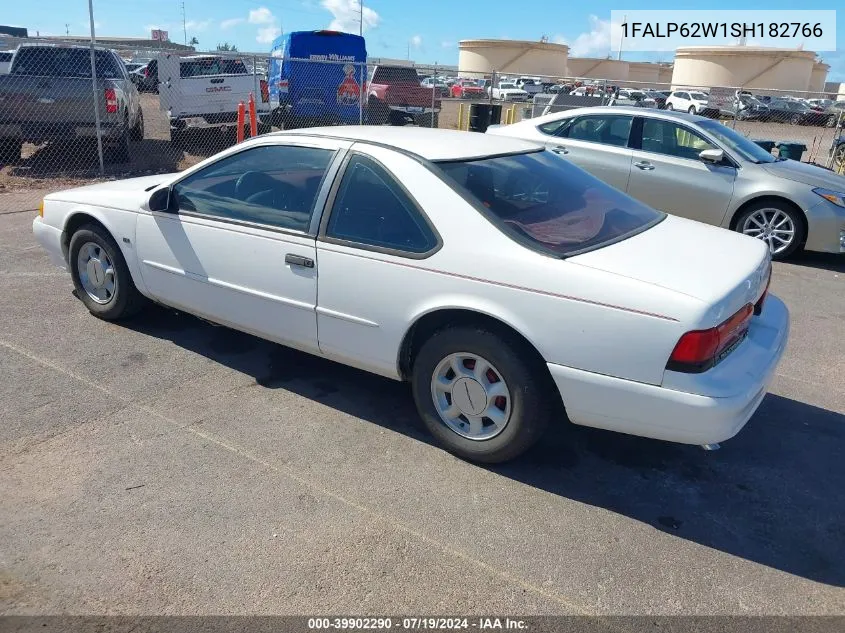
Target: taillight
[146,72]
[265,91]
[111,101]
[700,350]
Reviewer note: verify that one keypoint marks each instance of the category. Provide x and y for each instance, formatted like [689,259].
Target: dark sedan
[797,113]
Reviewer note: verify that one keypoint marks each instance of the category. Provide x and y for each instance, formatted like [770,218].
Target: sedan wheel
[471,396]
[481,394]
[99,272]
[777,227]
[669,106]
[691,110]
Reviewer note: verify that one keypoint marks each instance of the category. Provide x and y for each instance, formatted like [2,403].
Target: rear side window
[549,204]
[607,130]
[394,74]
[65,62]
[372,209]
[212,66]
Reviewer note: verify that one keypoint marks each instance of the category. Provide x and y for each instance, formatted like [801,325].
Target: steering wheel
[257,187]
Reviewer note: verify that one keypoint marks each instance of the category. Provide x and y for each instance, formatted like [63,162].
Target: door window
[274,185]
[372,209]
[607,130]
[666,137]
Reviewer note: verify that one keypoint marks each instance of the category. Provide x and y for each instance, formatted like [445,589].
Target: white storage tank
[818,77]
[597,68]
[751,67]
[512,57]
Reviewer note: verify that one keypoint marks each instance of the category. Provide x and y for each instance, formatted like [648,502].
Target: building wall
[512,57]
[597,68]
[748,67]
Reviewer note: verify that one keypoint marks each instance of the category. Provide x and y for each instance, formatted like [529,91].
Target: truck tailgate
[28,99]
[209,94]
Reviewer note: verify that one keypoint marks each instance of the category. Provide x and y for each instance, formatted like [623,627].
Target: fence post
[434,91]
[94,91]
[492,85]
[361,91]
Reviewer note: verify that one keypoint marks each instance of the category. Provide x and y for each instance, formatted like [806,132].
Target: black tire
[531,402]
[839,159]
[126,300]
[377,112]
[669,107]
[795,119]
[396,119]
[799,234]
[691,110]
[137,133]
[10,151]
[178,139]
[119,151]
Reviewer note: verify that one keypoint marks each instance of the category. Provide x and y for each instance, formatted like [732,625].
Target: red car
[466,89]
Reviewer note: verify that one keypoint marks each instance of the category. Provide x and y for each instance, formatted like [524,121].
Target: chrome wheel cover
[471,396]
[96,272]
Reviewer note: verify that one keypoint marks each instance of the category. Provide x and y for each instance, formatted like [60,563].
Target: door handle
[299,260]
[644,165]
[560,149]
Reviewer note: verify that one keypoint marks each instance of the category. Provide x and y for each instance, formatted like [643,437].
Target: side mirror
[711,156]
[160,200]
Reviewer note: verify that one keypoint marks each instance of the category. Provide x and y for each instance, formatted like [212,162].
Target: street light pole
[361,17]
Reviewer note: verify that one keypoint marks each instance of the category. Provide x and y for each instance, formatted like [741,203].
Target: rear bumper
[50,238]
[674,415]
[42,132]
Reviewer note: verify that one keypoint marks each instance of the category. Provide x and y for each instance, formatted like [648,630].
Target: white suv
[691,101]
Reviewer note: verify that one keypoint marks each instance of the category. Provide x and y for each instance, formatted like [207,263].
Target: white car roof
[429,143]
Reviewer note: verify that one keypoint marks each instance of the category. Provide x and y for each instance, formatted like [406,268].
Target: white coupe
[508,286]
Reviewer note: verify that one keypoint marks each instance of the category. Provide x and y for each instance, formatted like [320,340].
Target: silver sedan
[698,168]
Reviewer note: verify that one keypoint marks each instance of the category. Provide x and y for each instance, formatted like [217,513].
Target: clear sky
[429,29]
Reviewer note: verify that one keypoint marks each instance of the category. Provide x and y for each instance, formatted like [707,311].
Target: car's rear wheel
[138,130]
[776,224]
[839,159]
[100,275]
[795,119]
[480,394]
[118,152]
[691,110]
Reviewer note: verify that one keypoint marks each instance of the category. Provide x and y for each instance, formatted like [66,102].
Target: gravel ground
[164,465]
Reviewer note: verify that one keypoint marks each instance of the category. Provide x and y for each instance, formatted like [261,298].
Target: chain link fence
[146,111]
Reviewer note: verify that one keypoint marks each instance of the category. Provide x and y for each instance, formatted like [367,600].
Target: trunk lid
[723,269]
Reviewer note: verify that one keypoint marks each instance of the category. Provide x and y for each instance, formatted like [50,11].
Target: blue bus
[316,78]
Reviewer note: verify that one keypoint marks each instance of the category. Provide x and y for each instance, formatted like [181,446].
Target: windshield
[548,203]
[698,96]
[507,86]
[746,148]
[49,61]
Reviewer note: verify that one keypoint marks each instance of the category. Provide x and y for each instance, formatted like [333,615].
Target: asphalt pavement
[167,466]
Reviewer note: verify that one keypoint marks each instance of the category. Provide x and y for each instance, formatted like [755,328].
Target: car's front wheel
[99,272]
[776,224]
[480,394]
[669,106]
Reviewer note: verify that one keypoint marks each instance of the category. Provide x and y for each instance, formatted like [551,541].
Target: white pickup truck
[531,85]
[203,91]
[507,91]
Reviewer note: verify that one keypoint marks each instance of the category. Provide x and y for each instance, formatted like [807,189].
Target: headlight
[836,197]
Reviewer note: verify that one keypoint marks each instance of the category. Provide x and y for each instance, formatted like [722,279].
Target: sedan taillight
[699,350]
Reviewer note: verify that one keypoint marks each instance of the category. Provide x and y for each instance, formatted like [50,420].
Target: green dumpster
[765,144]
[791,149]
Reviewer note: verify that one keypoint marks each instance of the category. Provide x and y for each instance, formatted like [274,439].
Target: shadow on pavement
[826,261]
[774,495]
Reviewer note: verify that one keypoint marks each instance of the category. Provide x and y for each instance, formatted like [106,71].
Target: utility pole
[361,17]
[622,39]
[184,24]
[67,29]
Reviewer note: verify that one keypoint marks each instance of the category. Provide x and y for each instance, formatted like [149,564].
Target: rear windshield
[64,62]
[395,74]
[547,203]
[212,66]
